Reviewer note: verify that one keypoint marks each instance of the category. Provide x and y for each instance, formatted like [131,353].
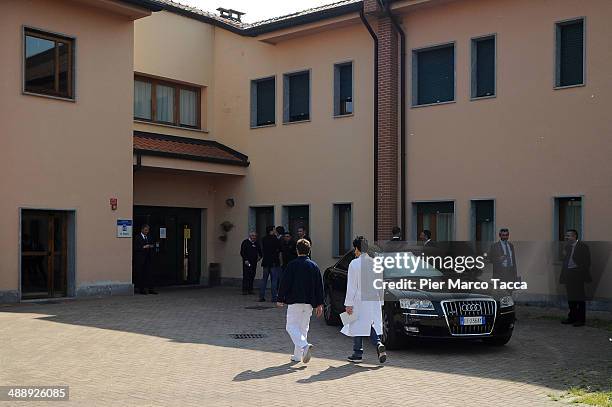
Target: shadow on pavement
[268,372]
[338,372]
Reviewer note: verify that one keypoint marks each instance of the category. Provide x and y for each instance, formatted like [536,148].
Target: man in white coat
[364,302]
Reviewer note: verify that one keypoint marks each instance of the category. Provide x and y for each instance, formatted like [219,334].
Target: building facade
[459,117]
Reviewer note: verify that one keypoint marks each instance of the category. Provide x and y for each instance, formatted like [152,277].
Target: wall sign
[162,233]
[124,228]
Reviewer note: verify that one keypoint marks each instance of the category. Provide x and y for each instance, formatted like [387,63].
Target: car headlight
[416,304]
[506,302]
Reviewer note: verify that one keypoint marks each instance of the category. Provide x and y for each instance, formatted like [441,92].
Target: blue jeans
[358,342]
[273,272]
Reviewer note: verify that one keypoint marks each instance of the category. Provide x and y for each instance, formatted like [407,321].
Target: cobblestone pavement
[175,349]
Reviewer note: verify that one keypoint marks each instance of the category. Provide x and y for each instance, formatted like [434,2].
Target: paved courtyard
[176,349]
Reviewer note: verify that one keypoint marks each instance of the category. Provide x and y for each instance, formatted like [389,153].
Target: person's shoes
[307,353]
[294,359]
[567,322]
[143,292]
[251,292]
[381,351]
[244,293]
[153,292]
[355,358]
[578,323]
[262,300]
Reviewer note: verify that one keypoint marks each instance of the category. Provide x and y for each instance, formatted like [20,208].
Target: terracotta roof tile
[187,148]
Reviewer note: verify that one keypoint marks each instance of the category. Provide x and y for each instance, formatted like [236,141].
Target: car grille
[454,309]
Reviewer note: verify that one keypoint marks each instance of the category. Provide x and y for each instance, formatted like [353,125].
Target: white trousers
[298,322]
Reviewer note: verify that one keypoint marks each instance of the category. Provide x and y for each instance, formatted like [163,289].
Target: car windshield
[405,264]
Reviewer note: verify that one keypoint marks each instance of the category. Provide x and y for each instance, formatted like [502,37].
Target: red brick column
[388,126]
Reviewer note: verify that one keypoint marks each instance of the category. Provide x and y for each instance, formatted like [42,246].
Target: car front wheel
[391,338]
[498,340]
[331,318]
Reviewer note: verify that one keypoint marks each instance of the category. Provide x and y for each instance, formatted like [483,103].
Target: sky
[257,10]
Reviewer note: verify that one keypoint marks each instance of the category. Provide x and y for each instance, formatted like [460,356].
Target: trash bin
[214,274]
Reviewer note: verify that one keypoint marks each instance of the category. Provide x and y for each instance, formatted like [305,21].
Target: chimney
[229,14]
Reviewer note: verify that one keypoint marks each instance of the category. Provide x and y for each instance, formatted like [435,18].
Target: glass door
[44,254]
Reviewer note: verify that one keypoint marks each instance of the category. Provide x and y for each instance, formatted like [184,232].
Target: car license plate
[471,320]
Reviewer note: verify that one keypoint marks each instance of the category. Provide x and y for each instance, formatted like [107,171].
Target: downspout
[399,29]
[375,38]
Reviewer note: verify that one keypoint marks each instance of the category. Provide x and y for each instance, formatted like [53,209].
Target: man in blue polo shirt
[302,290]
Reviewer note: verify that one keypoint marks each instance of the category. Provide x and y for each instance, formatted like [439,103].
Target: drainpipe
[138,162]
[402,35]
[375,38]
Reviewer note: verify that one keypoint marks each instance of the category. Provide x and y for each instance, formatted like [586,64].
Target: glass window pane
[64,68]
[436,75]
[571,52]
[189,105]
[39,65]
[165,103]
[142,100]
[299,98]
[485,67]
[265,102]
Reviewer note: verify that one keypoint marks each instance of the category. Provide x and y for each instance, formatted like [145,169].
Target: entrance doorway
[296,216]
[438,218]
[177,235]
[260,217]
[483,224]
[44,254]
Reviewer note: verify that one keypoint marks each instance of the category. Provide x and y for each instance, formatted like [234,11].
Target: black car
[429,314]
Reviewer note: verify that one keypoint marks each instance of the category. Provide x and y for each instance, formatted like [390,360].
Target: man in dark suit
[143,262]
[425,236]
[396,233]
[288,249]
[302,234]
[270,247]
[503,257]
[576,271]
[250,251]
[395,244]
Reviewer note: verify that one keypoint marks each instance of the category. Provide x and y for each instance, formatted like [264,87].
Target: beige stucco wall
[307,163]
[529,144]
[324,161]
[69,155]
[171,46]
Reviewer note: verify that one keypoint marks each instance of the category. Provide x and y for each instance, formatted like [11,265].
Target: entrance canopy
[153,150]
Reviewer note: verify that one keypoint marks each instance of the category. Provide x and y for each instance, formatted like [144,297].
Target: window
[342,229]
[343,89]
[166,102]
[296,98]
[568,215]
[483,224]
[483,67]
[438,218]
[260,217]
[433,75]
[296,216]
[263,106]
[48,64]
[570,53]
